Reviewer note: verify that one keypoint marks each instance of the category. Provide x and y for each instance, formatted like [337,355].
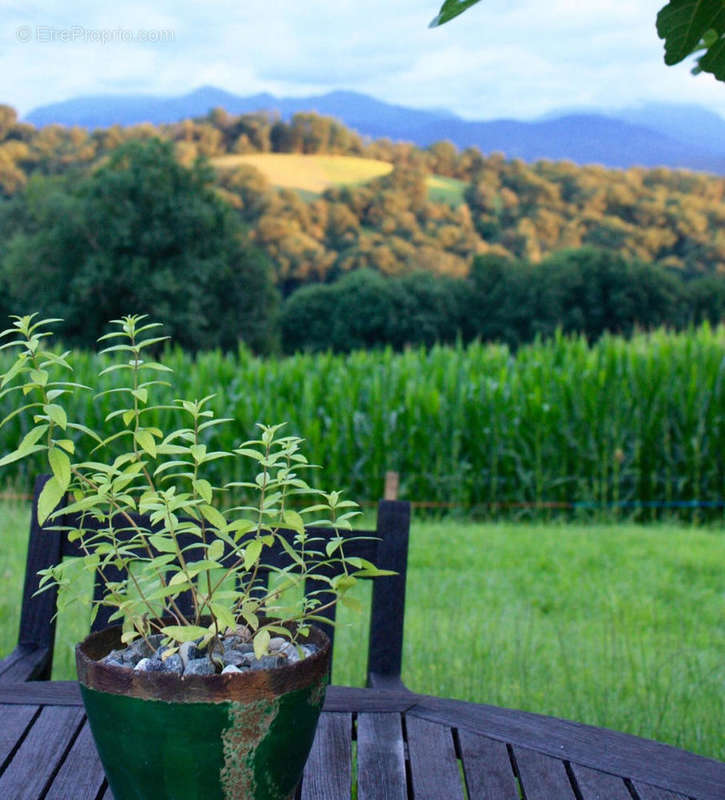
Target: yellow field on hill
[310,175]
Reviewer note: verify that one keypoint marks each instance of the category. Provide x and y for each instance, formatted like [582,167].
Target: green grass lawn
[621,626]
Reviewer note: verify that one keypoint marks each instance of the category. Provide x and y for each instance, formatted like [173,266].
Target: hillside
[668,135]
[391,206]
[310,175]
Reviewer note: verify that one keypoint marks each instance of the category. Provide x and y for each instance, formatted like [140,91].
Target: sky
[502,58]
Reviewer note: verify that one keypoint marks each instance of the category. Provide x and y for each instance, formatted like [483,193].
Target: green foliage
[694,26]
[594,291]
[450,10]
[141,231]
[163,474]
[365,310]
[587,290]
[610,426]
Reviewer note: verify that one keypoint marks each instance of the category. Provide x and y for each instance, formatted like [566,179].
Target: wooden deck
[407,745]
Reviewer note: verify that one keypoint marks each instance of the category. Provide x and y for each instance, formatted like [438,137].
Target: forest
[140,217]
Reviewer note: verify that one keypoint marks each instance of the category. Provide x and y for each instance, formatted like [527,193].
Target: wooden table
[404,741]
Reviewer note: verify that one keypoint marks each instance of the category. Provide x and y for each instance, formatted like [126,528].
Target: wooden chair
[32,658]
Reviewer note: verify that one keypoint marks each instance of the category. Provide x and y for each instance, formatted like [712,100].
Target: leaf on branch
[261,643]
[690,25]
[252,553]
[49,499]
[60,466]
[215,551]
[203,489]
[57,414]
[212,515]
[146,442]
[184,633]
[449,10]
[294,521]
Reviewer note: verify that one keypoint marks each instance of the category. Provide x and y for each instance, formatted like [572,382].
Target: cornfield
[623,426]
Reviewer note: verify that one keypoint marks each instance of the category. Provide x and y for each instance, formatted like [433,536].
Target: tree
[687,26]
[141,233]
[592,291]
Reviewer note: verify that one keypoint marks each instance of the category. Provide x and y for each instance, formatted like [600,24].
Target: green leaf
[252,553]
[332,545]
[146,442]
[16,455]
[49,499]
[39,376]
[212,515]
[215,550]
[294,521]
[60,465]
[685,25]
[224,615]
[449,10]
[57,414]
[241,526]
[261,643]
[163,543]
[127,416]
[713,60]
[184,633]
[341,583]
[17,367]
[203,489]
[198,452]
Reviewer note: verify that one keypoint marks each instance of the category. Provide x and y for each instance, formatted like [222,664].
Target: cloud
[502,58]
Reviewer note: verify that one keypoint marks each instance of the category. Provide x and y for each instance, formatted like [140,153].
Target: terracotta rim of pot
[247,686]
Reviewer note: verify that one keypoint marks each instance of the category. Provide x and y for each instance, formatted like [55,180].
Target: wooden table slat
[81,776]
[328,773]
[542,777]
[39,721]
[606,750]
[15,721]
[433,763]
[596,785]
[487,767]
[43,748]
[646,792]
[381,758]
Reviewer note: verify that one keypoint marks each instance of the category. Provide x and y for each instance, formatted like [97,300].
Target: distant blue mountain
[651,135]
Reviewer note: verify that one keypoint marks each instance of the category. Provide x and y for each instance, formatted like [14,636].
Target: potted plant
[210,683]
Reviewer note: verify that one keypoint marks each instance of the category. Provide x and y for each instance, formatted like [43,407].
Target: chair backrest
[386,547]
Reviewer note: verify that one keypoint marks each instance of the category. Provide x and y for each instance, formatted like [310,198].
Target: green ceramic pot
[206,737]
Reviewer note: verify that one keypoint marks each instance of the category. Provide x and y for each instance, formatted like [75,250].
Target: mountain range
[654,134]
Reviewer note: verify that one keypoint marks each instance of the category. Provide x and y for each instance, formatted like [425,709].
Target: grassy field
[310,175]
[620,626]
